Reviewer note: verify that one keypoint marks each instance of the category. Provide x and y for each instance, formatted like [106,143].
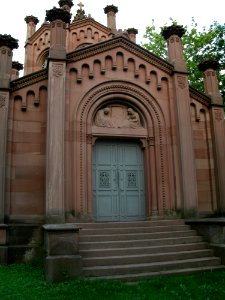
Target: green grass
[26,281]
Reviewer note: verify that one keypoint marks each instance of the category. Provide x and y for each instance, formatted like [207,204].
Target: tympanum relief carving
[117,116]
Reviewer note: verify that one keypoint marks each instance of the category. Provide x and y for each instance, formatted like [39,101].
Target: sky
[132,14]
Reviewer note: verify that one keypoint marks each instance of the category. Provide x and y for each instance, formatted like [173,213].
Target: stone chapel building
[99,129]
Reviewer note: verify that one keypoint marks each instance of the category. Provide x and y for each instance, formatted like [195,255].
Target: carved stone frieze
[2,101]
[218,115]
[57,70]
[117,116]
[181,80]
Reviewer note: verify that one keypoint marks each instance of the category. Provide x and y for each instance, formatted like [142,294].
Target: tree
[199,45]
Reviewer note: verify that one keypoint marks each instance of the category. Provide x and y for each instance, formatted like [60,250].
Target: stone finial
[62,3]
[132,34]
[80,15]
[178,30]
[29,19]
[58,14]
[209,64]
[111,8]
[17,66]
[8,41]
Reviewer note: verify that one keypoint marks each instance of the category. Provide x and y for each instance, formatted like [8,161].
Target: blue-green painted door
[118,181]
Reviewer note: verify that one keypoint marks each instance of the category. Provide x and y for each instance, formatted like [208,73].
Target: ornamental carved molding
[181,80]
[218,115]
[117,116]
[57,70]
[2,101]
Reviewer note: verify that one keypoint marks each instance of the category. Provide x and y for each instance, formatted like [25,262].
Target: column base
[62,267]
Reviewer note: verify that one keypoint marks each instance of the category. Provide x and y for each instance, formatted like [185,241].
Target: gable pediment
[122,45]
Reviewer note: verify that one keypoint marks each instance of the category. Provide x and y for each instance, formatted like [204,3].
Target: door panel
[118,181]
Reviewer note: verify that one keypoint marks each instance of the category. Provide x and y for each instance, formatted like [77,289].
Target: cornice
[199,96]
[28,80]
[89,21]
[124,43]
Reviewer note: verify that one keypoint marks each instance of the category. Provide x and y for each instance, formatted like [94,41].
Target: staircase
[132,251]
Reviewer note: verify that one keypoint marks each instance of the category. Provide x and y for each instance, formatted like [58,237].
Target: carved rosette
[178,30]
[57,70]
[8,41]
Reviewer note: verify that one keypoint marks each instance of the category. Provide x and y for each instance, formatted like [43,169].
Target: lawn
[26,281]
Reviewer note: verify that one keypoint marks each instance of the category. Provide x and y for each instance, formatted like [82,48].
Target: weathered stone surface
[62,267]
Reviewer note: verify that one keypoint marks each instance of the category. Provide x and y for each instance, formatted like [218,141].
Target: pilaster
[173,35]
[7,44]
[209,68]
[55,116]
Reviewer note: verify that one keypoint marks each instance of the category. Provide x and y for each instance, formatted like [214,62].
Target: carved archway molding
[153,139]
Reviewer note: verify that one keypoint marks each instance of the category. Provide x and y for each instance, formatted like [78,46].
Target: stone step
[130,224]
[145,258]
[135,236]
[151,267]
[139,243]
[146,275]
[142,250]
[125,230]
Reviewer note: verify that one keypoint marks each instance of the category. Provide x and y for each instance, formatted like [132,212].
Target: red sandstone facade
[85,84]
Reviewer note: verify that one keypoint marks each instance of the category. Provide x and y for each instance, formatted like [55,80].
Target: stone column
[31,28]
[173,36]
[111,11]
[132,32]
[7,44]
[31,25]
[55,116]
[209,68]
[16,67]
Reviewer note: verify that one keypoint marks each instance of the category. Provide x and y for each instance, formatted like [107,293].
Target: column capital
[29,19]
[209,64]
[17,66]
[58,14]
[8,41]
[111,8]
[62,3]
[178,30]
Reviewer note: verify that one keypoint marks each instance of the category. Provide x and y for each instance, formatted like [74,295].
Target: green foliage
[26,282]
[199,45]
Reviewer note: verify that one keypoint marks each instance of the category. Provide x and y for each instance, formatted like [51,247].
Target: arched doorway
[118,181]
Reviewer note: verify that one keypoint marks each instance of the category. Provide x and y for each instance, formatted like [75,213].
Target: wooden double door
[118,181]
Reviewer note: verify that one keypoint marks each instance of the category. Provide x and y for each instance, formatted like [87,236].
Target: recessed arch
[154,139]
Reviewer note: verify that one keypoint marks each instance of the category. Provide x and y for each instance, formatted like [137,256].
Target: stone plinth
[62,247]
[3,244]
